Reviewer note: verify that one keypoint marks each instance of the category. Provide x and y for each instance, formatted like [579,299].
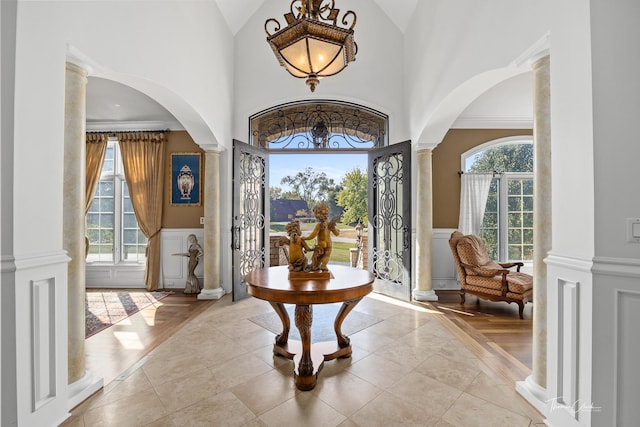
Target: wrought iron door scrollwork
[330,125]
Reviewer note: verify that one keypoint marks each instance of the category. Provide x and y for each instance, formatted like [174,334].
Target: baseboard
[82,389]
[534,394]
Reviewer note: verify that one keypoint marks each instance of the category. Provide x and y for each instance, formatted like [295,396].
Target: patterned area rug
[322,323]
[103,309]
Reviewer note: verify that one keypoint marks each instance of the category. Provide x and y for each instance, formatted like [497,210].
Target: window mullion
[503,234]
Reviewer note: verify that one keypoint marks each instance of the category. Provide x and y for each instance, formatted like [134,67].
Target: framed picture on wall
[185,179]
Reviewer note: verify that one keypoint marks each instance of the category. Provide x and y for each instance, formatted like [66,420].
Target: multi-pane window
[507,226]
[111,225]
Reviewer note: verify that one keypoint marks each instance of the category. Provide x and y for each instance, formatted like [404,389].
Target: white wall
[374,79]
[458,50]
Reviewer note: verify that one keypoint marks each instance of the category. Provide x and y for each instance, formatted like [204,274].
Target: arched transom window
[319,125]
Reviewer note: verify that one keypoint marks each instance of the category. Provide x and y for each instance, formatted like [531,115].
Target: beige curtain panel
[95,153]
[143,160]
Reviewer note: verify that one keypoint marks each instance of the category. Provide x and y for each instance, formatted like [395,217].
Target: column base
[420,295]
[82,389]
[216,293]
[534,394]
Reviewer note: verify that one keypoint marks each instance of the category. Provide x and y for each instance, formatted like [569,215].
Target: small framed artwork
[185,179]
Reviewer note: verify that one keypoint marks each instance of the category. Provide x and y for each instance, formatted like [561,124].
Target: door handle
[235,244]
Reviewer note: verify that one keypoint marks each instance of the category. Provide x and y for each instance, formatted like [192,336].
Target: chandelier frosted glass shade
[310,47]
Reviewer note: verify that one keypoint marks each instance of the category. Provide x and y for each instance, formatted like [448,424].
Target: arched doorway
[324,127]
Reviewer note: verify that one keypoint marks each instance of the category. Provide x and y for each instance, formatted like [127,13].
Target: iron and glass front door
[250,227]
[390,219]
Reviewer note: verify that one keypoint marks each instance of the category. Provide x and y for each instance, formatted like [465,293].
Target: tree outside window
[507,225]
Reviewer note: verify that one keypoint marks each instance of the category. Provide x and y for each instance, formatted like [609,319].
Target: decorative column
[535,385]
[423,290]
[73,213]
[211,288]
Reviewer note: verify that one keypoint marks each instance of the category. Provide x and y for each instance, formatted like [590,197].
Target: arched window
[318,125]
[507,225]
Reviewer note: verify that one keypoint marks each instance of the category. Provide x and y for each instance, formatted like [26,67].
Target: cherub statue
[297,247]
[195,253]
[323,230]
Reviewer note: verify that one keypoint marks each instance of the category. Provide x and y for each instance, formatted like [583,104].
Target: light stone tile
[266,391]
[454,373]
[304,409]
[257,422]
[265,354]
[499,393]
[389,410]
[348,423]
[162,422]
[378,371]
[132,386]
[432,396]
[346,393]
[160,370]
[403,354]
[223,409]
[73,421]
[180,393]
[145,408]
[370,340]
[469,410]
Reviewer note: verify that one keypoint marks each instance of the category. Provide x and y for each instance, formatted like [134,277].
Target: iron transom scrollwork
[319,125]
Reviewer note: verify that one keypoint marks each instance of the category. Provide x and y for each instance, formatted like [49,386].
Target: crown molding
[493,122]
[132,126]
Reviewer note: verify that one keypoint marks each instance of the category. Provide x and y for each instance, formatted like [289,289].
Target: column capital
[212,148]
[424,147]
[541,59]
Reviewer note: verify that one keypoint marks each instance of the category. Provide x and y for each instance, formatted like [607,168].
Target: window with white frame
[111,224]
[507,225]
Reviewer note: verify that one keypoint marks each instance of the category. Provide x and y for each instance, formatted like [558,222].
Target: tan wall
[181,216]
[446,165]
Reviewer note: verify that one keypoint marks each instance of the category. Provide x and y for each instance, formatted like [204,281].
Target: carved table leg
[343,340]
[282,338]
[305,376]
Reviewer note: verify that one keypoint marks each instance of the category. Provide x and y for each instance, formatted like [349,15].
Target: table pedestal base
[309,358]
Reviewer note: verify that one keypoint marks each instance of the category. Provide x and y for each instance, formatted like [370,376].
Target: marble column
[73,214]
[211,288]
[534,386]
[423,290]
[542,214]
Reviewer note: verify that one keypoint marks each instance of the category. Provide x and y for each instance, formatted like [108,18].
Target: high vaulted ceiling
[237,12]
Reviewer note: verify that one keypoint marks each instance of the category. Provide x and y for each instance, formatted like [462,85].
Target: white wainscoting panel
[174,267]
[443,267]
[569,340]
[39,338]
[627,348]
[568,358]
[43,335]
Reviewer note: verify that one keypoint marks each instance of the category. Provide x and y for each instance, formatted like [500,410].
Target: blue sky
[334,165]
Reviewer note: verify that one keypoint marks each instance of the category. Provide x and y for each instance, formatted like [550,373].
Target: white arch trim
[437,124]
[509,140]
[188,117]
[448,111]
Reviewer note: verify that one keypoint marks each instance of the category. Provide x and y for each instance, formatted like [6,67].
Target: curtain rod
[495,173]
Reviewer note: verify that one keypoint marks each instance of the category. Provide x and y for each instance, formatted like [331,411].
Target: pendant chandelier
[312,45]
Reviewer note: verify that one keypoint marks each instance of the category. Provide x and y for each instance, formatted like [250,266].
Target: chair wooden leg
[462,296]
[520,309]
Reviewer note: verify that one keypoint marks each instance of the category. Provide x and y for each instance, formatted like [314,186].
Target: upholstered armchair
[486,279]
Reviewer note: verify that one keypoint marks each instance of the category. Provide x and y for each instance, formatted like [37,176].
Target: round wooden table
[347,285]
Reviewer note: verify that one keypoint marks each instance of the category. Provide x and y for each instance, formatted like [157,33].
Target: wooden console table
[348,286]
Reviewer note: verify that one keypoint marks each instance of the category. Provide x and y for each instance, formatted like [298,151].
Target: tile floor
[219,370]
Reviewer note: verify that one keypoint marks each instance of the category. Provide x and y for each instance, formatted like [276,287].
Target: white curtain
[474,190]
